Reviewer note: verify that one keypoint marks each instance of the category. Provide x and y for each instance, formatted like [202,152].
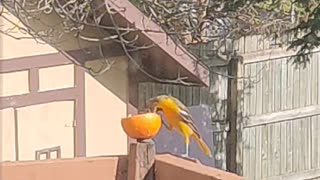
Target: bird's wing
[186,116]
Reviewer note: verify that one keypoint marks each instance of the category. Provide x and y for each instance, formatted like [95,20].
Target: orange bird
[180,119]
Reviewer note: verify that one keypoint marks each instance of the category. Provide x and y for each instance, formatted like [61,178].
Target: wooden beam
[239,119]
[232,104]
[141,160]
[309,174]
[32,62]
[283,116]
[80,112]
[261,56]
[19,101]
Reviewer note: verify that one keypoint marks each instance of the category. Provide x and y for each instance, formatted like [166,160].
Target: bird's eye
[159,109]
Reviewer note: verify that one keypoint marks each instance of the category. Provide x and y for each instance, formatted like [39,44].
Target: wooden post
[141,160]
[232,104]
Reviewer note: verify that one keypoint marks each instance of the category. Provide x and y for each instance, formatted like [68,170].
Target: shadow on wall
[114,79]
[172,142]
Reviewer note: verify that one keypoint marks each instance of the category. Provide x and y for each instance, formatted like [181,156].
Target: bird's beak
[151,104]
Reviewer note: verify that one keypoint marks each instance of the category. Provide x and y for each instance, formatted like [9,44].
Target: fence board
[314,142]
[258,158]
[318,76]
[317,119]
[290,86]
[284,83]
[265,86]
[259,91]
[277,85]
[276,150]
[246,152]
[265,155]
[289,155]
[252,154]
[283,148]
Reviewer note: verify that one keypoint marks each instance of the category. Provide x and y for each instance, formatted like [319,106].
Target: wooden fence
[280,114]
[278,111]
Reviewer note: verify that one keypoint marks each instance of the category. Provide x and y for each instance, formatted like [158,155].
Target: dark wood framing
[232,105]
[32,64]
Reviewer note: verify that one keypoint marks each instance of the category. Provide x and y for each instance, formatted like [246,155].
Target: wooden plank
[309,145]
[242,46]
[224,91]
[258,163]
[270,149]
[314,79]
[141,153]
[318,139]
[246,153]
[29,62]
[265,86]
[314,142]
[247,90]
[303,86]
[259,92]
[259,42]
[277,85]
[318,76]
[271,82]
[195,95]
[304,144]
[283,147]
[297,145]
[160,89]
[183,94]
[264,152]
[203,95]
[23,100]
[169,89]
[251,43]
[253,90]
[153,89]
[296,88]
[240,107]
[283,116]
[236,45]
[252,153]
[284,79]
[290,85]
[265,55]
[189,96]
[308,78]
[289,146]
[310,174]
[232,117]
[175,91]
[276,149]
[266,43]
[147,91]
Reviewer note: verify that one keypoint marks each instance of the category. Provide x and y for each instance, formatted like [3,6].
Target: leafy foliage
[190,20]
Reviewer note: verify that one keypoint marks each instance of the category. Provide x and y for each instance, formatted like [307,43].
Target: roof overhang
[166,55]
[163,60]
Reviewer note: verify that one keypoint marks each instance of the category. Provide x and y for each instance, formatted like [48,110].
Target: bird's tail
[204,147]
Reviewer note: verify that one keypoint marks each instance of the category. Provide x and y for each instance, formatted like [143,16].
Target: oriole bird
[179,118]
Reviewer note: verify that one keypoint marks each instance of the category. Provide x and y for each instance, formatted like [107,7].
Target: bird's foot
[185,155]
